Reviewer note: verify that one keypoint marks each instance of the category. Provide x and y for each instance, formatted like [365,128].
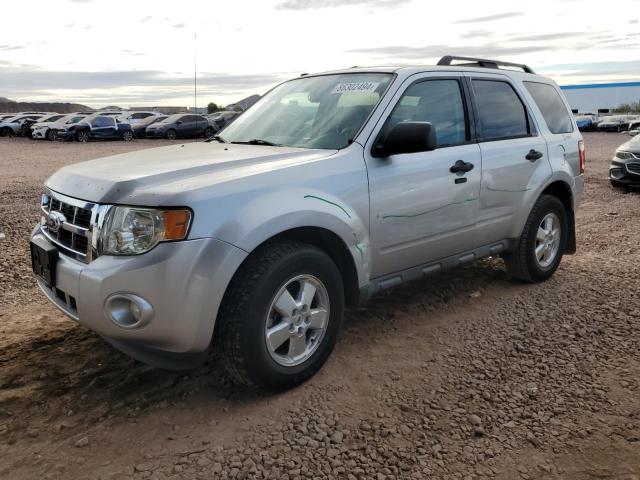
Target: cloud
[146,19]
[491,18]
[316,4]
[25,81]
[179,25]
[436,51]
[6,48]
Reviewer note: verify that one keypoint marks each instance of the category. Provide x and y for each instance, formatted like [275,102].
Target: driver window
[438,102]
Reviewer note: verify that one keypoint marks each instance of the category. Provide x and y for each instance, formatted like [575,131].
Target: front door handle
[461,167]
[533,155]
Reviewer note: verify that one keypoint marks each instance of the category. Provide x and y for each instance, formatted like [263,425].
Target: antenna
[195,78]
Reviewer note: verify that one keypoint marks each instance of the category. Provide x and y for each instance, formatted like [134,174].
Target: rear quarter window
[553,109]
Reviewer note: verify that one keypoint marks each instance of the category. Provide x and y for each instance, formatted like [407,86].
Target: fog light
[127,310]
[616,173]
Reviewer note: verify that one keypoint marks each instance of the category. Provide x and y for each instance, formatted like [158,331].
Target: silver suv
[329,189]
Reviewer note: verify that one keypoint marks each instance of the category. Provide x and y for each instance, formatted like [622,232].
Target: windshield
[313,112]
[172,118]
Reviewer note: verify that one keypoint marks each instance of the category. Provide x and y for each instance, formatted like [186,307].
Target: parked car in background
[133,118]
[613,124]
[6,116]
[26,129]
[625,167]
[140,128]
[41,131]
[224,118]
[13,125]
[587,122]
[634,128]
[96,127]
[182,125]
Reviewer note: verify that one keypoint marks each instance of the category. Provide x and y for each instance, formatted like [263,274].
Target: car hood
[632,146]
[173,175]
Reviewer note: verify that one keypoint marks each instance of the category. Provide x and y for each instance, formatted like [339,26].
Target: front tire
[281,314]
[538,251]
[82,136]
[172,135]
[209,132]
[127,135]
[51,135]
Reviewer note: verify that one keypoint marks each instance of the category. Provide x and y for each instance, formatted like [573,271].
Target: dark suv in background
[182,125]
[96,127]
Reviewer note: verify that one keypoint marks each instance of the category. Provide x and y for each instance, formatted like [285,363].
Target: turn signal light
[583,156]
[176,224]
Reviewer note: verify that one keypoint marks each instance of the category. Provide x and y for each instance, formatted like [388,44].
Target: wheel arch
[562,191]
[330,243]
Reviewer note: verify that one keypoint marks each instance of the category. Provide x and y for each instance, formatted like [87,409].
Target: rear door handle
[533,155]
[461,166]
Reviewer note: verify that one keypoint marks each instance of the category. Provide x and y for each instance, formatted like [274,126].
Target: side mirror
[406,137]
[179,122]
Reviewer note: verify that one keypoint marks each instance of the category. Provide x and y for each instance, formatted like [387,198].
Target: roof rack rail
[484,63]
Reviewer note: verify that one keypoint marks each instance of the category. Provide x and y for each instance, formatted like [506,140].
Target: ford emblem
[54,221]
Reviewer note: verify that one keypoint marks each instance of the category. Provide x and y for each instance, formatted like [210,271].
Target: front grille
[633,167]
[72,230]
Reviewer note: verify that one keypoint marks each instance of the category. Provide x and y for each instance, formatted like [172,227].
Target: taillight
[583,156]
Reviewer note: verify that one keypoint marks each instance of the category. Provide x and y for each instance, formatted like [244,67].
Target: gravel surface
[463,376]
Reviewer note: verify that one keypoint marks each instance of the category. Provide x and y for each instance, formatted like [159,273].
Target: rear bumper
[183,281]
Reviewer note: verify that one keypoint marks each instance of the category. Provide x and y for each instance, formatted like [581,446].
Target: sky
[142,52]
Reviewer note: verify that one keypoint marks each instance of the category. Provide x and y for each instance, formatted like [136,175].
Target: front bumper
[155,133]
[64,135]
[625,172]
[39,133]
[183,281]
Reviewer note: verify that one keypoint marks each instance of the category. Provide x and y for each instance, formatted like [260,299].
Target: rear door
[515,158]
[103,127]
[559,128]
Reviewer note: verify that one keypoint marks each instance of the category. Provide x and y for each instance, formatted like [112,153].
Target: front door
[419,209]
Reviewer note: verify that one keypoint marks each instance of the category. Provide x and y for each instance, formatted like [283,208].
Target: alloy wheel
[548,240]
[297,320]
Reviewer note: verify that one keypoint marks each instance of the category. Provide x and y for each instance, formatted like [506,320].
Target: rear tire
[51,135]
[171,134]
[127,135]
[252,312]
[537,253]
[209,132]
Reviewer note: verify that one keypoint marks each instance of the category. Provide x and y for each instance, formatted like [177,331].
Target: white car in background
[133,118]
[28,125]
[12,126]
[48,130]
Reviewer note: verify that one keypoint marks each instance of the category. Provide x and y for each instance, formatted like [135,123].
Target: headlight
[132,231]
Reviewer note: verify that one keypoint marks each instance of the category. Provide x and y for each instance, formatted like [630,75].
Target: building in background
[601,97]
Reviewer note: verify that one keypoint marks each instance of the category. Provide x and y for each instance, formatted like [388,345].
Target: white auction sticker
[363,87]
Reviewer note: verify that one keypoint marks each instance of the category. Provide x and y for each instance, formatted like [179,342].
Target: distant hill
[9,106]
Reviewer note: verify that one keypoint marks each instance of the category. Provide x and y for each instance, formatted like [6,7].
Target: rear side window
[552,107]
[501,113]
[438,102]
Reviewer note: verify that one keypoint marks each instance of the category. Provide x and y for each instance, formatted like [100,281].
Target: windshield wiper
[217,138]
[259,141]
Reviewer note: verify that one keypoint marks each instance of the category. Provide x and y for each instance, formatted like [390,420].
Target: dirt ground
[463,376]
